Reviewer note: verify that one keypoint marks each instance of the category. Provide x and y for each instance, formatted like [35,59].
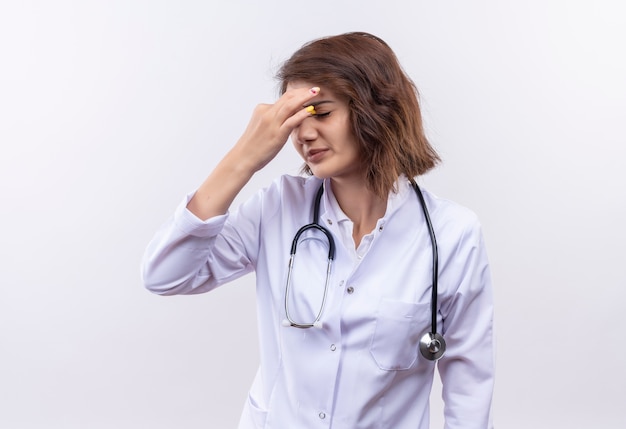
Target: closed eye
[322,115]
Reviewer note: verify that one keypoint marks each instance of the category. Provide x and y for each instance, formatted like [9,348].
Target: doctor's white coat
[363,368]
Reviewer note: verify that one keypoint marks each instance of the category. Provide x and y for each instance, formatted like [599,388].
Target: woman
[353,116]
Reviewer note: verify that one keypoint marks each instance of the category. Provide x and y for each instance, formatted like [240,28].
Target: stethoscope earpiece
[432,346]
[317,324]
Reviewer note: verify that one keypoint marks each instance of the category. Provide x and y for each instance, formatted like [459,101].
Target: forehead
[298,84]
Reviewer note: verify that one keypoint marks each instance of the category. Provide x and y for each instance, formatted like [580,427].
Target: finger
[294,100]
[297,118]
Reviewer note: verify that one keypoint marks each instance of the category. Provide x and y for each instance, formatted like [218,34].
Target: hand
[270,127]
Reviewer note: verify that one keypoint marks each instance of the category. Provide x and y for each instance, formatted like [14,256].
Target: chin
[320,173]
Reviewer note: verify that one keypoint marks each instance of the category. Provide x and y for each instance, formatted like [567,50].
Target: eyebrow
[317,103]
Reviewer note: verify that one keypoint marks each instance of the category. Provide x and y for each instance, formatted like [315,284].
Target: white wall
[111,111]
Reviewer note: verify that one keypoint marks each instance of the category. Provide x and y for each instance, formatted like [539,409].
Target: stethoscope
[432,345]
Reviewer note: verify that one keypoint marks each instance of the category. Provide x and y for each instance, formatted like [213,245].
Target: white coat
[363,368]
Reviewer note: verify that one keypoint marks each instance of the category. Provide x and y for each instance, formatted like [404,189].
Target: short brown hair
[383,101]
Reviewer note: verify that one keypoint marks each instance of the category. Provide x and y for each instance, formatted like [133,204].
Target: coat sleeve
[191,256]
[467,369]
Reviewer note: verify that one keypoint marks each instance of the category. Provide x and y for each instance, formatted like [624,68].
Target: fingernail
[310,109]
[315,90]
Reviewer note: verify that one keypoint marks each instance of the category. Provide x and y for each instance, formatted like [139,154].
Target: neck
[361,205]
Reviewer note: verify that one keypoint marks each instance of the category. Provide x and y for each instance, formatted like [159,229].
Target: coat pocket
[398,328]
[253,416]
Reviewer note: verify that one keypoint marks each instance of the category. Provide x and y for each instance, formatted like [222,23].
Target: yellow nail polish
[310,109]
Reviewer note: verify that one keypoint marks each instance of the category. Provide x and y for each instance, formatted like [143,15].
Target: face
[325,140]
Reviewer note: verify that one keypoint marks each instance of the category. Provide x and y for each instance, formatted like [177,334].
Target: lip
[315,155]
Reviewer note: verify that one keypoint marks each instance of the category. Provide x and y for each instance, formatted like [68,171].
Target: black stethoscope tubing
[432,345]
[435,274]
[316,225]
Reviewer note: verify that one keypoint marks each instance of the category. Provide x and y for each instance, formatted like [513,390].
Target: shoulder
[453,222]
[287,191]
[296,186]
[291,188]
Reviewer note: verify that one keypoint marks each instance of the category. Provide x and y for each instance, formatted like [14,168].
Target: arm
[180,258]
[264,137]
[467,370]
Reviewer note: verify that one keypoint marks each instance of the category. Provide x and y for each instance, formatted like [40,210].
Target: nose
[306,132]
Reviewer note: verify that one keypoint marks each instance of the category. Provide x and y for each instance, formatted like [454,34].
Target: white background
[110,111]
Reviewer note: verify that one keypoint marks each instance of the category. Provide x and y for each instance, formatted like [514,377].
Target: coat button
[322,415]
[333,347]
[350,289]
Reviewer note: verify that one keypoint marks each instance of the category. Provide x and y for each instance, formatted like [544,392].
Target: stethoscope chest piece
[432,346]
